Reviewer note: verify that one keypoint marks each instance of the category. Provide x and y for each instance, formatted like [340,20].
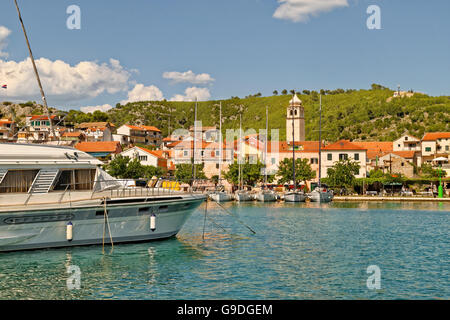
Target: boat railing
[117,188]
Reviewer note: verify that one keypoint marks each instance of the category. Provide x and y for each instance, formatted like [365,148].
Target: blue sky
[238,46]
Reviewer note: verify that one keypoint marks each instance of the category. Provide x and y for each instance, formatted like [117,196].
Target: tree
[135,170]
[284,92]
[183,172]
[306,92]
[303,171]
[152,171]
[118,166]
[342,173]
[427,171]
[251,173]
[125,168]
[275,92]
[292,92]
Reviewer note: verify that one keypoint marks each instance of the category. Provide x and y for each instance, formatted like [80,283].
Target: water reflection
[299,251]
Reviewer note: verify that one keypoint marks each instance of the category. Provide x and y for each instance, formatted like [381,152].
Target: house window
[343,156]
[406,138]
[185,153]
[314,161]
[356,156]
[202,153]
[143,158]
[447,148]
[428,149]
[398,145]
[217,153]
[329,157]
[273,160]
[217,166]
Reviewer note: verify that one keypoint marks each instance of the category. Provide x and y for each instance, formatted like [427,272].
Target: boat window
[18,181]
[81,179]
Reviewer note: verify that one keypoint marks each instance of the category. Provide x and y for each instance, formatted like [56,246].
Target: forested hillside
[351,114]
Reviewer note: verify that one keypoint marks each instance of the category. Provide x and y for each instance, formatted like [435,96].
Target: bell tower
[295,114]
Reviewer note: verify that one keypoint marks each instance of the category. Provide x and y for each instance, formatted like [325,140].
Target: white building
[407,143]
[342,150]
[146,157]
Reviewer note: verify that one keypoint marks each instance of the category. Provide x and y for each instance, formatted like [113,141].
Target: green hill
[352,114]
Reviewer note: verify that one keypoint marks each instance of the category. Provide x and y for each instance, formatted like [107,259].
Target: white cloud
[301,10]
[188,77]
[61,81]
[143,93]
[192,93]
[4,33]
[91,109]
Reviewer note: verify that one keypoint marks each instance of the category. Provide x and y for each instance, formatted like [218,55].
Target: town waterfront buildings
[201,144]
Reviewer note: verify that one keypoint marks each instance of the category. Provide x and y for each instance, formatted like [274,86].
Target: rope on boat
[204,221]
[235,216]
[106,222]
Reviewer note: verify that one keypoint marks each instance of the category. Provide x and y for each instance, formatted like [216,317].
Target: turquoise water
[299,251]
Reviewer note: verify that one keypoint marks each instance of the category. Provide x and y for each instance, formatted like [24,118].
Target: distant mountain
[353,114]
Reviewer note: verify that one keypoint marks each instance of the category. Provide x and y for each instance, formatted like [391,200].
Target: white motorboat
[59,197]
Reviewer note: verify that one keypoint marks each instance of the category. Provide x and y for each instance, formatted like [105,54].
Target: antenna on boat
[35,70]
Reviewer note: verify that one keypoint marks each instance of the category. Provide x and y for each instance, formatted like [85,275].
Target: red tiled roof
[86,125]
[156,153]
[101,146]
[134,127]
[404,154]
[375,148]
[174,144]
[432,136]
[343,145]
[41,117]
[151,128]
[6,122]
[72,134]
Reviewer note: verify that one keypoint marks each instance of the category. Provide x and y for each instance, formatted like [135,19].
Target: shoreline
[376,198]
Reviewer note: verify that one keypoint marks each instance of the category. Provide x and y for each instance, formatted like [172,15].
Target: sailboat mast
[240,149]
[320,140]
[220,143]
[193,142]
[293,145]
[35,70]
[265,146]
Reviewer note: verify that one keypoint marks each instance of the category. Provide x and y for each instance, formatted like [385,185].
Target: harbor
[299,251]
[114,189]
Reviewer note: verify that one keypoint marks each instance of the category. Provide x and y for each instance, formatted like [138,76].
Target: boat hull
[220,197]
[266,197]
[243,197]
[128,222]
[322,197]
[294,197]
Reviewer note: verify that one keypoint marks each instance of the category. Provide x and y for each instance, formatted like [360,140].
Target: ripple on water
[299,251]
